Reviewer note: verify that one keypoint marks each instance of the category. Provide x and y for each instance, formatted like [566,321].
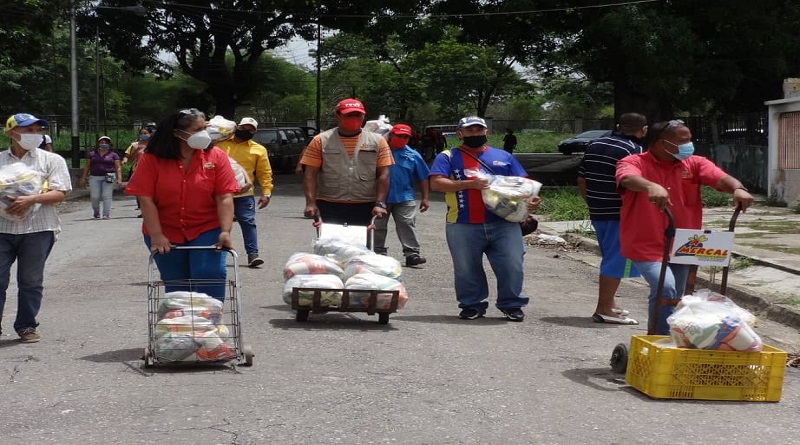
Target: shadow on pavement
[603,379]
[120,355]
[452,319]
[332,321]
[579,322]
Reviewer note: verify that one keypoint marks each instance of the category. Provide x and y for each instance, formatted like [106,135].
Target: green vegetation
[538,142]
[713,198]
[563,204]
[585,230]
[738,263]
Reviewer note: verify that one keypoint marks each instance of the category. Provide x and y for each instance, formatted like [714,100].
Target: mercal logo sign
[694,247]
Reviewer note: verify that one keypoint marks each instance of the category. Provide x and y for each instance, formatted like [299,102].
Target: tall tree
[200,35]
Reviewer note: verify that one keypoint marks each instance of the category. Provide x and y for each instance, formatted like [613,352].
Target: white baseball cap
[249,121]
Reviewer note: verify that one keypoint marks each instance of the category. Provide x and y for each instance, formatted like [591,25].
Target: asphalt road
[426,378]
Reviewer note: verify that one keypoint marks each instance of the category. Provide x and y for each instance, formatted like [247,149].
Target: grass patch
[540,142]
[713,198]
[585,230]
[790,301]
[563,204]
[740,263]
[784,227]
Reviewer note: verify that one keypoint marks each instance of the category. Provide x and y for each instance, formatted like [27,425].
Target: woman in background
[104,173]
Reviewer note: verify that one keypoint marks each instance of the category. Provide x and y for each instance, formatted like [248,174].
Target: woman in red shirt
[185,187]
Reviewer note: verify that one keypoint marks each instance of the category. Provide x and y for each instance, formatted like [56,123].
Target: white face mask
[200,140]
[29,141]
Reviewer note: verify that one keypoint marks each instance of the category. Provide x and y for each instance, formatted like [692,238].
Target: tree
[201,36]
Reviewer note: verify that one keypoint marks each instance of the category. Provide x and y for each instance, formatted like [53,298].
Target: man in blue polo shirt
[472,230]
[598,185]
[409,167]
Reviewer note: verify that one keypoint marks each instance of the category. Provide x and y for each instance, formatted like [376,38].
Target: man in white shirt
[29,223]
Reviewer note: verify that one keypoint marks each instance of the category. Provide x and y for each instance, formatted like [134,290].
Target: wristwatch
[380,204]
[742,188]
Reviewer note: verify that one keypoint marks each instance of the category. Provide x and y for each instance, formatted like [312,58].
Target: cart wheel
[302,315]
[383,317]
[147,358]
[619,358]
[248,355]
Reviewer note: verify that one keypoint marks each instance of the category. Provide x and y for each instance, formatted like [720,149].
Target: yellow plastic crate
[672,373]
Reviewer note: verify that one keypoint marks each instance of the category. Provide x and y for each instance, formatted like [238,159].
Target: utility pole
[76,140]
[319,83]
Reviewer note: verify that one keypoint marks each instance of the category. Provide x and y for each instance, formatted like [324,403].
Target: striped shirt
[54,170]
[598,168]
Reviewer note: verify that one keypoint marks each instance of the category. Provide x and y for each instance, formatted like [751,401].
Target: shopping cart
[221,331]
[369,299]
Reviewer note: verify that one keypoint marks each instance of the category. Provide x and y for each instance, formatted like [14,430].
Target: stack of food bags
[338,264]
[370,271]
[18,179]
[190,329]
[308,270]
[709,320]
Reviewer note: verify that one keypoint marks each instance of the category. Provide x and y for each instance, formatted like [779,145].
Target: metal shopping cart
[188,327]
[381,302]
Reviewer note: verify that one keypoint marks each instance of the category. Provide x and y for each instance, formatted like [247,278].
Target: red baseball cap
[348,106]
[401,129]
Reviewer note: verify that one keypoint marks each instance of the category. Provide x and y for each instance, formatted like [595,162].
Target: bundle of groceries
[339,264]
[16,180]
[190,329]
[507,196]
[709,320]
[220,128]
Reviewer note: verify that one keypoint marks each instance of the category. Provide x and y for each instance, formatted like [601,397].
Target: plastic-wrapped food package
[372,262]
[715,302]
[338,250]
[18,179]
[191,303]
[220,128]
[242,180]
[507,196]
[302,263]
[331,297]
[708,326]
[175,346]
[373,281]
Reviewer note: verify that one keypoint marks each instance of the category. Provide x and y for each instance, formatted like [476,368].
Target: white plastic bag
[708,320]
[507,196]
[330,297]
[220,128]
[302,263]
[18,179]
[372,262]
[242,179]
[338,249]
[373,281]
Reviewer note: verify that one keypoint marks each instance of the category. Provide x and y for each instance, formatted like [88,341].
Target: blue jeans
[30,251]
[674,285]
[502,243]
[99,190]
[180,265]
[244,209]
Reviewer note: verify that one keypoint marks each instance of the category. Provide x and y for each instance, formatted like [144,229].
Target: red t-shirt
[185,199]
[642,224]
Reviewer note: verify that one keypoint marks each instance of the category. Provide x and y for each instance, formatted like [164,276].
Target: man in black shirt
[509,141]
[597,184]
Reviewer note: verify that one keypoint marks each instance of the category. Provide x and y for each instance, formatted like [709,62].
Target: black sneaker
[415,260]
[469,314]
[253,260]
[514,314]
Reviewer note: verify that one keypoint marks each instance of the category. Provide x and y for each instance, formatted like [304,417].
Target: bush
[713,198]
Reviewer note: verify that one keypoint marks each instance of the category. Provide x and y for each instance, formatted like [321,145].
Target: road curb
[742,296]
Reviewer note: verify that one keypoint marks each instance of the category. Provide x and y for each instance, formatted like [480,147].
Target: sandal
[599,318]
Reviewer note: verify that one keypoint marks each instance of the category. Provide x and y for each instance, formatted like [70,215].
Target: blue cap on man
[23,120]
[470,121]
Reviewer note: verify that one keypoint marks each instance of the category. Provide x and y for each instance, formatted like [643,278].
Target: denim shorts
[613,263]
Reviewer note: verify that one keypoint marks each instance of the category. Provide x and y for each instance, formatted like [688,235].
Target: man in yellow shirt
[253,158]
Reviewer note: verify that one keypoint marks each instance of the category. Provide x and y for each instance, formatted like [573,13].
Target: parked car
[579,142]
[284,145]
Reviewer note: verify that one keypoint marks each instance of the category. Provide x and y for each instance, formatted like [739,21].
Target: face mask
[397,142]
[103,146]
[29,141]
[350,124]
[474,141]
[199,141]
[684,151]
[144,137]
[243,135]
